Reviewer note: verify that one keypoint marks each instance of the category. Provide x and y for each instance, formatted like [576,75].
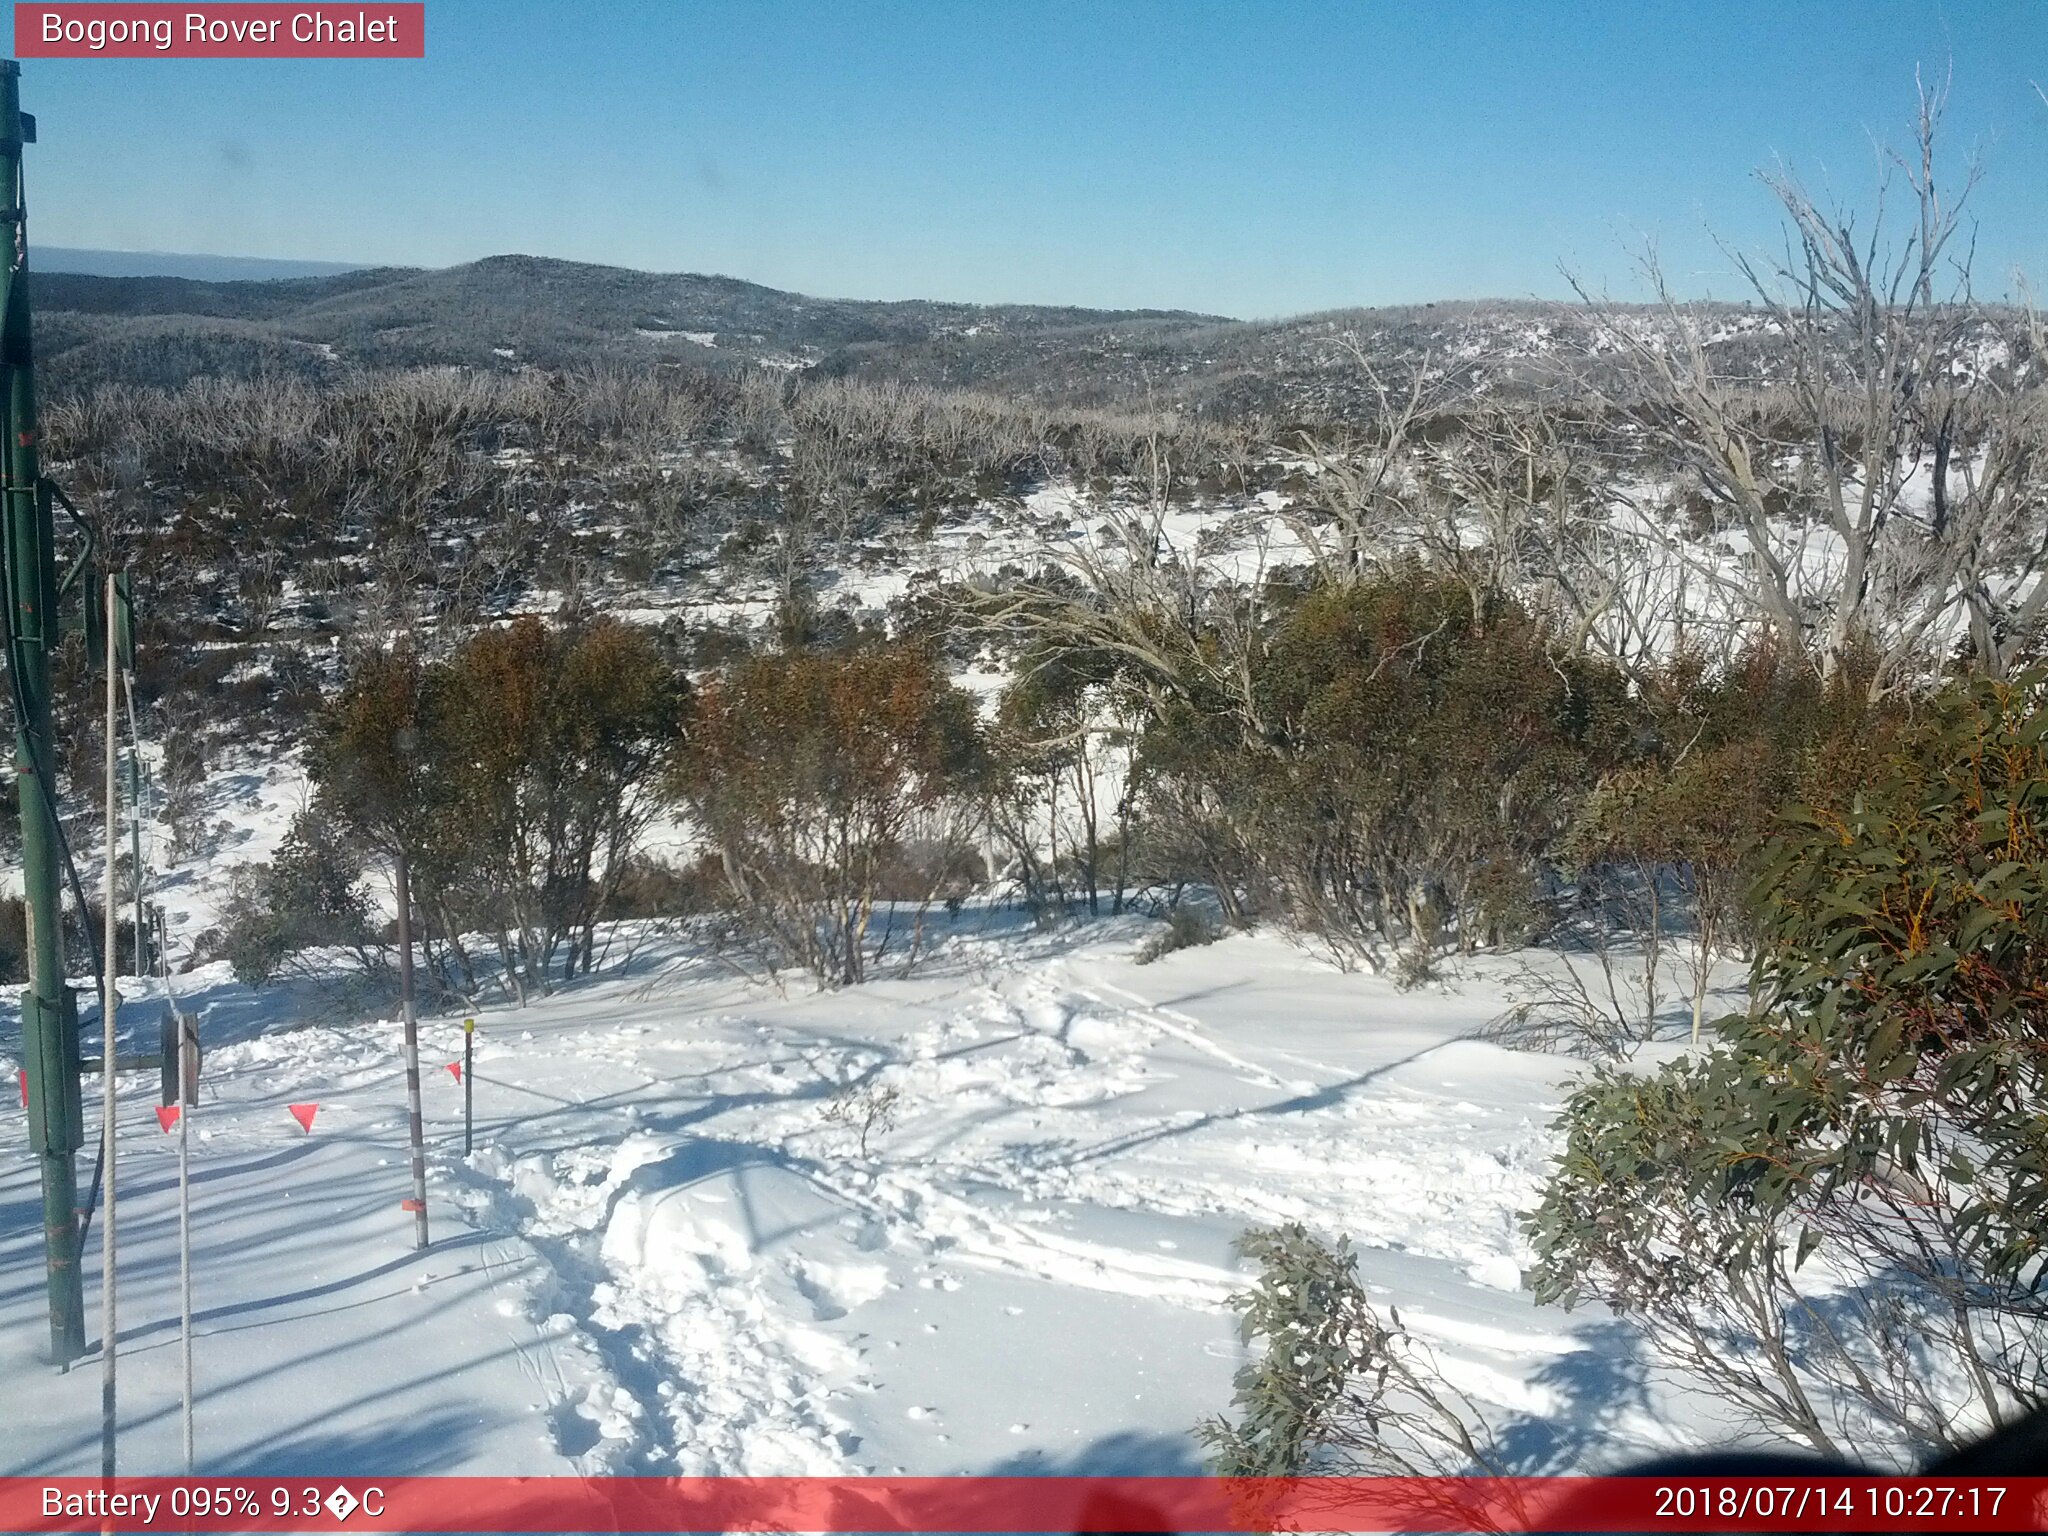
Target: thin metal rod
[186,1074]
[468,1085]
[185,1107]
[188,1100]
[109,1014]
[135,820]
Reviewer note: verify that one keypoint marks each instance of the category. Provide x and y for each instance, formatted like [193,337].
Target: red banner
[92,30]
[992,1504]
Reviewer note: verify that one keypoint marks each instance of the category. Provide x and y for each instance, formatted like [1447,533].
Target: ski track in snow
[664,1258]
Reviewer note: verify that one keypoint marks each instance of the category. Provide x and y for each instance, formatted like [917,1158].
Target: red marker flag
[303,1113]
[456,1068]
[167,1115]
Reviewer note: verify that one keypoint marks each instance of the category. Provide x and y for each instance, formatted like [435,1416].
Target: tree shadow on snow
[412,1444]
[1127,1453]
[1596,1389]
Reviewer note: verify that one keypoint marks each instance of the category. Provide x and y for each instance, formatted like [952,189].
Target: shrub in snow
[513,778]
[1185,929]
[309,897]
[1838,1218]
[1422,749]
[1338,1389]
[812,774]
[1065,733]
[867,1109]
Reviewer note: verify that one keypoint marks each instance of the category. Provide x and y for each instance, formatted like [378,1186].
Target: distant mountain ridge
[103,263]
[508,312]
[503,311]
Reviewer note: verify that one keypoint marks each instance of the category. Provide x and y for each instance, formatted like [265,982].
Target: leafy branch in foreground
[1339,1389]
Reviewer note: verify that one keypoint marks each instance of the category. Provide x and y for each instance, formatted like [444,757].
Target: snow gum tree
[370,761]
[552,741]
[1662,850]
[514,778]
[1881,474]
[811,774]
[1066,730]
[1838,1218]
[1424,754]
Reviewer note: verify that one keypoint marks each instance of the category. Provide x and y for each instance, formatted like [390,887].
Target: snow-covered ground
[665,1254]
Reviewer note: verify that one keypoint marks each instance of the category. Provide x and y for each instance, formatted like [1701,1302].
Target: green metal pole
[135,832]
[49,1012]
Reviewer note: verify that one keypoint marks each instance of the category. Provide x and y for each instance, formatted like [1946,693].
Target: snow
[663,1256]
[247,808]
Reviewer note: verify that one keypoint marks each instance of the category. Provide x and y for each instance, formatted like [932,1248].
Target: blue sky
[1253,158]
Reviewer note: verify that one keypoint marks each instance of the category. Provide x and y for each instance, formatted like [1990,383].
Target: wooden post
[418,1203]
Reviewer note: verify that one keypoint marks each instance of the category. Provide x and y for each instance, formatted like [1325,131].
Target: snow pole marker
[303,1113]
[415,1120]
[187,1097]
[468,1080]
[110,1005]
[185,1267]
[181,1044]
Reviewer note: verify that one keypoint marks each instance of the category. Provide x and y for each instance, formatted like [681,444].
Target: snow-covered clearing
[665,1256]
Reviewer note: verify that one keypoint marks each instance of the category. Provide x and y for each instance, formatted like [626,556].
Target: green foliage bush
[1064,733]
[1839,1216]
[1337,1388]
[309,896]
[513,777]
[1425,754]
[817,776]
[1185,929]
[1657,856]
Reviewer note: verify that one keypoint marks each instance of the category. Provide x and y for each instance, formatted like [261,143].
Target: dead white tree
[1366,496]
[1860,483]
[1184,631]
[1988,503]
